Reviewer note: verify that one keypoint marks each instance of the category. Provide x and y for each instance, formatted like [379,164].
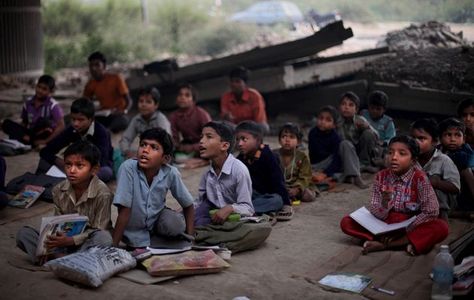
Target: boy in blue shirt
[375,115]
[142,185]
[226,185]
[269,191]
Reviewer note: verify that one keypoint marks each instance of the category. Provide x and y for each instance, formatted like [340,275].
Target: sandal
[285,214]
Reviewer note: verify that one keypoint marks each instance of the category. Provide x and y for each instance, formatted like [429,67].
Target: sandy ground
[278,270]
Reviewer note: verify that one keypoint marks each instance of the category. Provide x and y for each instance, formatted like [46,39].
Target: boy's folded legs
[170,223]
[27,241]
[265,203]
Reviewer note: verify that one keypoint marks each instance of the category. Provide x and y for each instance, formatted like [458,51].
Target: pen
[382,290]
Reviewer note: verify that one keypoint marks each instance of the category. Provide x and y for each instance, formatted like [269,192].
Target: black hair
[83,106]
[86,150]
[239,72]
[411,143]
[188,86]
[330,110]
[97,56]
[428,125]
[351,96]
[378,98]
[153,91]
[291,128]
[161,136]
[463,105]
[255,129]
[48,81]
[451,123]
[225,130]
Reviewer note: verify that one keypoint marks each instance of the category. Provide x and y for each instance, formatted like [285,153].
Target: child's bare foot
[359,183]
[372,246]
[410,250]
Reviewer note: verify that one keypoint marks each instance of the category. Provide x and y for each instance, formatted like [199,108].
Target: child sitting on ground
[466,114]
[359,146]
[323,144]
[400,192]
[453,144]
[83,193]
[83,127]
[142,185]
[269,191]
[375,115]
[41,116]
[148,117]
[186,125]
[295,164]
[441,171]
[226,186]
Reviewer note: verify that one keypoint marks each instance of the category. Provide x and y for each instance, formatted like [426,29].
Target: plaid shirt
[411,193]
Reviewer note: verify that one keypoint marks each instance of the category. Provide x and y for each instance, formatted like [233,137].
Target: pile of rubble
[427,55]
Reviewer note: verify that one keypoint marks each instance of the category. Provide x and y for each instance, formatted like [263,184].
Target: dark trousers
[114,122]
[17,131]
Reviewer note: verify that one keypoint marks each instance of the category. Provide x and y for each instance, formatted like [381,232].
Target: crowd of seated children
[466,114]
[439,168]
[399,192]
[82,193]
[226,185]
[375,115]
[186,125]
[452,136]
[268,185]
[242,103]
[142,185]
[111,91]
[324,143]
[83,127]
[148,117]
[41,116]
[295,164]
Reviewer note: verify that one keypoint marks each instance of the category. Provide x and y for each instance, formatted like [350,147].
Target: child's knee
[170,223]
[101,238]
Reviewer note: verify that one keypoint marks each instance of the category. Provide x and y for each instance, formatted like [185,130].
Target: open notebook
[374,225]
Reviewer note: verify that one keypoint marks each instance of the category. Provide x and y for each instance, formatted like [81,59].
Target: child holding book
[441,171]
[41,116]
[142,185]
[295,164]
[452,135]
[400,192]
[83,127]
[148,117]
[269,191]
[226,186]
[82,193]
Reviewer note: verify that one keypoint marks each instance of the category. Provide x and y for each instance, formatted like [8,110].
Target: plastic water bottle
[442,275]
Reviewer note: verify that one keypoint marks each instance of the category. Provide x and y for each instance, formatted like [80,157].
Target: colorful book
[376,226]
[71,225]
[27,196]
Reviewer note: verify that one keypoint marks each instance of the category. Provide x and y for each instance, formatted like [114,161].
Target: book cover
[350,282]
[70,225]
[27,196]
[367,220]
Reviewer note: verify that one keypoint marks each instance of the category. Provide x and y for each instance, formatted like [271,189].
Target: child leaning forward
[400,192]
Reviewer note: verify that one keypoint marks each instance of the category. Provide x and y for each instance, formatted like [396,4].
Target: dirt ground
[278,270]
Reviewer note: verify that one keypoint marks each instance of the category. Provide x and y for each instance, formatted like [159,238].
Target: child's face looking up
[347,108]
[468,117]
[42,91]
[452,139]
[146,105]
[78,170]
[246,143]
[211,144]
[424,139]
[325,122]
[376,112]
[150,154]
[288,141]
[184,98]
[400,158]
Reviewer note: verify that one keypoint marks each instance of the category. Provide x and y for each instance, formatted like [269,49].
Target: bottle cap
[445,247]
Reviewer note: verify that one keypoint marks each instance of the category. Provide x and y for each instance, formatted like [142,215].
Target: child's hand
[26,138]
[59,240]
[434,180]
[294,192]
[386,197]
[361,124]
[222,214]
